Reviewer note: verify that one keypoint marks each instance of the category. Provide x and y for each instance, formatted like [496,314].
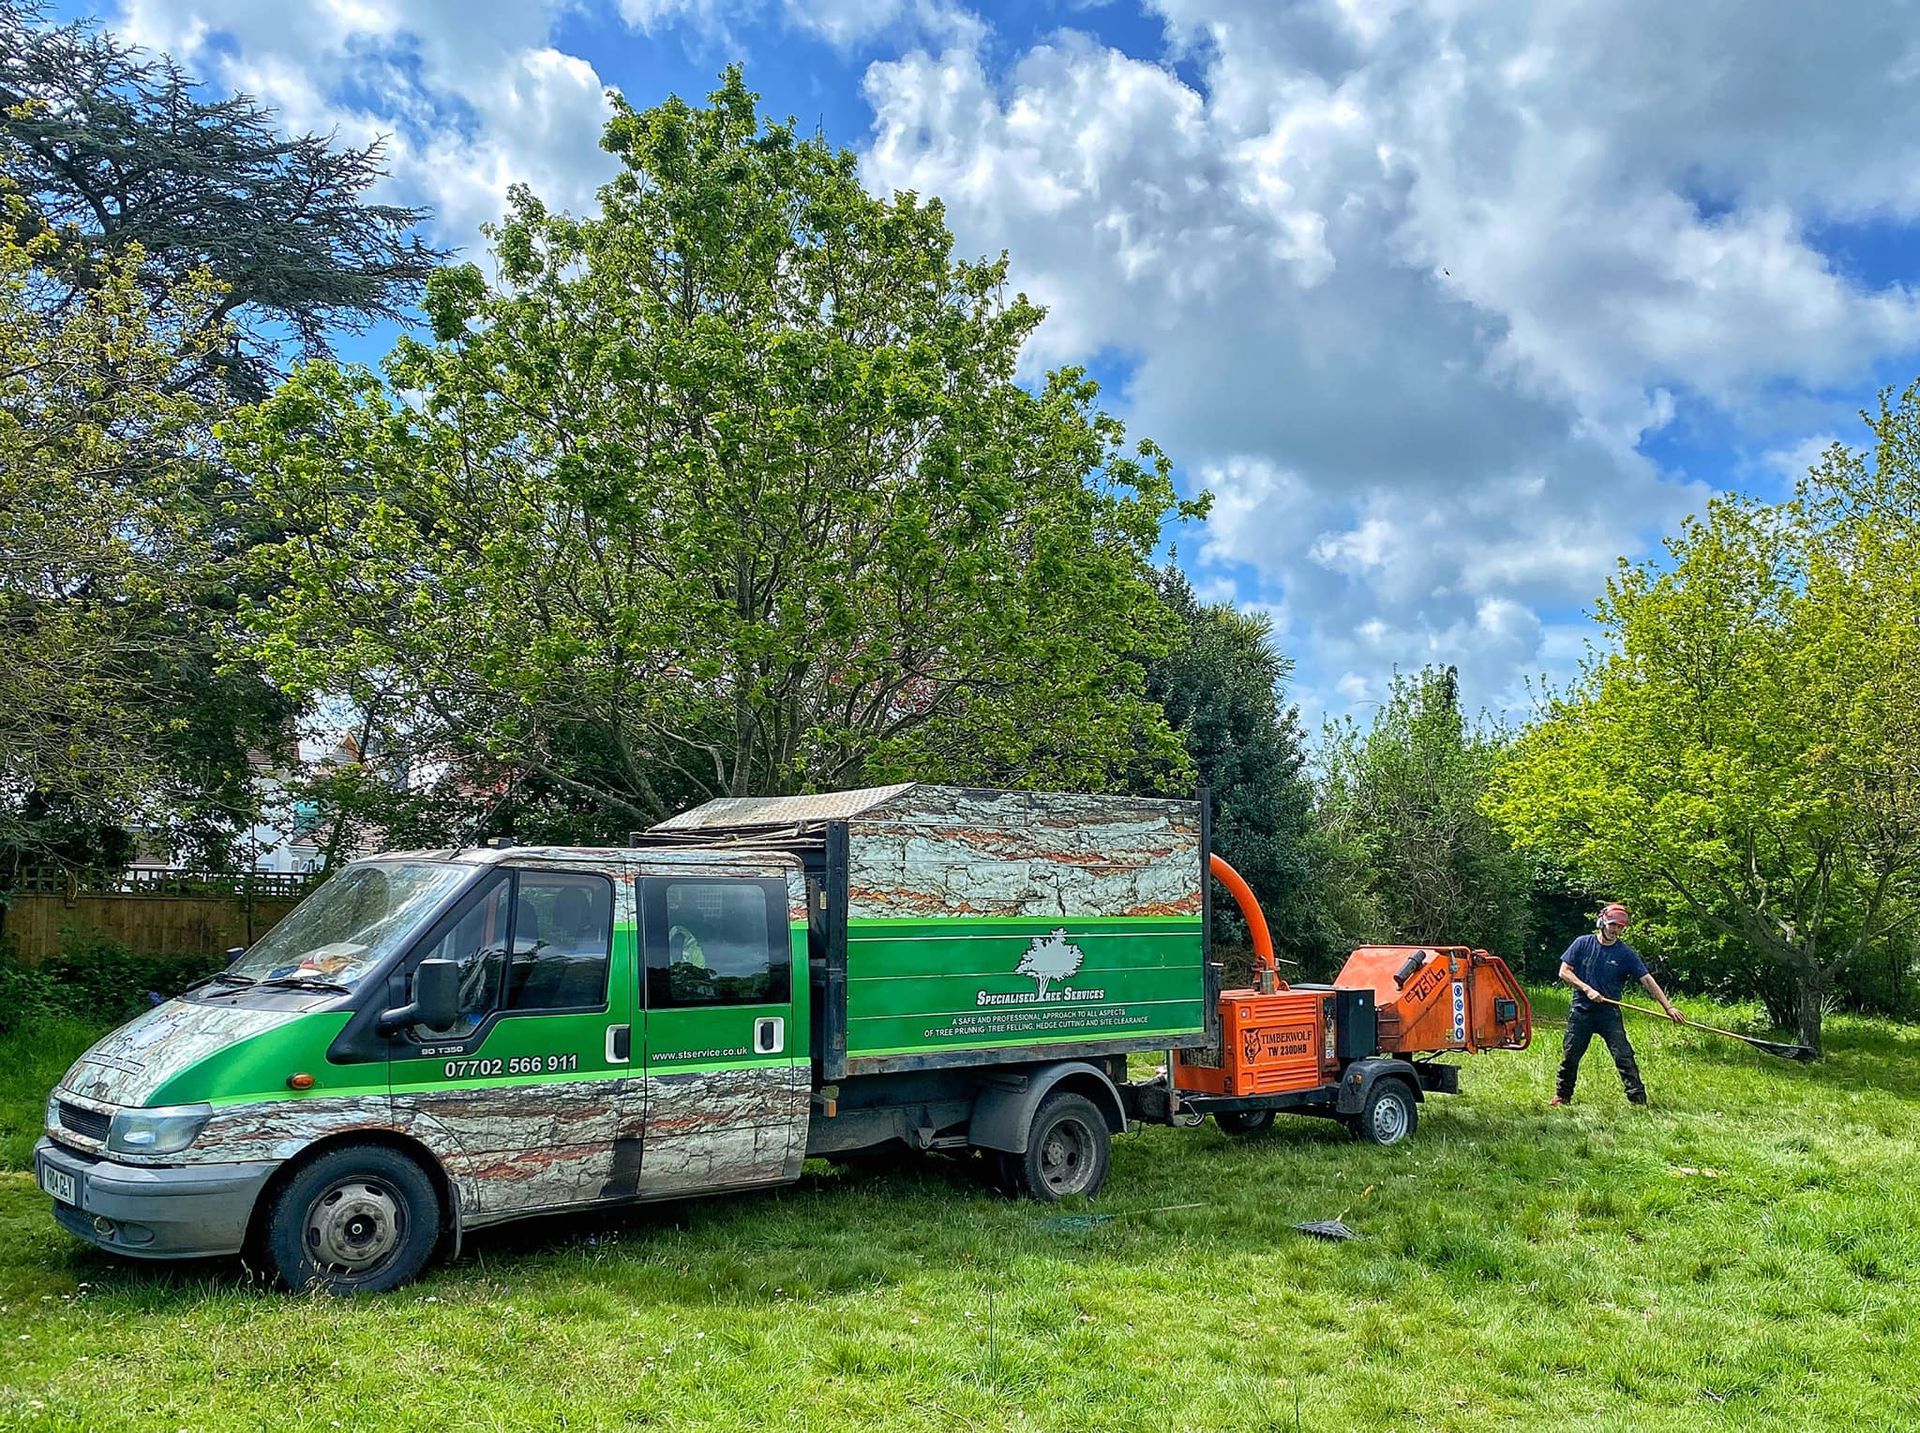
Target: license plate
[58,1183]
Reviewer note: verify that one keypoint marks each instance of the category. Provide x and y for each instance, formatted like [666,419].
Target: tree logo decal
[1051,957]
[1048,961]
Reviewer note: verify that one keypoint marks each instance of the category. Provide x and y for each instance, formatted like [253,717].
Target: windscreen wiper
[308,982]
[223,977]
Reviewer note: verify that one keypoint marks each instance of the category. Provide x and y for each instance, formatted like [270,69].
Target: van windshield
[352,922]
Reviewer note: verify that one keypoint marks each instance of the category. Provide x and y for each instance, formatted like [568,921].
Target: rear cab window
[724,944]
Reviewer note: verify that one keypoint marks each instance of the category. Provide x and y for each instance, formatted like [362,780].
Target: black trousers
[1606,1022]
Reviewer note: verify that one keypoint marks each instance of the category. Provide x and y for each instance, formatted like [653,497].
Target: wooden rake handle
[1771,1047]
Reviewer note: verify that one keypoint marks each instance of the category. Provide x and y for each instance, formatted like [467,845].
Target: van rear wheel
[1069,1150]
[359,1220]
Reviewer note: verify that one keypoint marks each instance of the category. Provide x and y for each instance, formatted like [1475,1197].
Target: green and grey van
[438,1041]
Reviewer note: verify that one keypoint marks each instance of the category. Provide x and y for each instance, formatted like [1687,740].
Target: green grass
[1520,1267]
[31,1064]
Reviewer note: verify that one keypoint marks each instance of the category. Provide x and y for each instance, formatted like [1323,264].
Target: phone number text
[517,1065]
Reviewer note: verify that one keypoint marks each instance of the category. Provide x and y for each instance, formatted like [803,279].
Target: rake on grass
[1785,1049]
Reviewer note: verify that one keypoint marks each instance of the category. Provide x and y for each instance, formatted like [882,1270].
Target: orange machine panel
[1268,1044]
[1442,997]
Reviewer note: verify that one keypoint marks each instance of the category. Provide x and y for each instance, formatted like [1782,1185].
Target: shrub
[27,996]
[93,978]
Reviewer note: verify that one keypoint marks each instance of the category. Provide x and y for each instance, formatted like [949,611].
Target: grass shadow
[839,1230]
[1855,1057]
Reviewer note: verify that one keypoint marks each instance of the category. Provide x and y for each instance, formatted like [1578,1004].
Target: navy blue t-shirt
[1607,968]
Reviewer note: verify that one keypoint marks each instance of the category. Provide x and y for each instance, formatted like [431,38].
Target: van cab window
[533,940]
[720,946]
[354,921]
[562,941]
[477,943]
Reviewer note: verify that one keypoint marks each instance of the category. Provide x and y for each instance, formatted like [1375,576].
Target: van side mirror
[436,998]
[234,952]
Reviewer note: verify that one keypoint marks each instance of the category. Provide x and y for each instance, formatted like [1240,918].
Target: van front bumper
[183,1212]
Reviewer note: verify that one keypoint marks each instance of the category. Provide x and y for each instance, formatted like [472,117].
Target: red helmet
[1616,914]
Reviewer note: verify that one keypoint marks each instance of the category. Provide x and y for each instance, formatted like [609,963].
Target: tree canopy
[115,148]
[159,246]
[1744,751]
[729,489]
[1404,796]
[96,444]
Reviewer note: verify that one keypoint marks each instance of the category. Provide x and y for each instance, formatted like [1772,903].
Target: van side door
[531,1080]
[727,1071]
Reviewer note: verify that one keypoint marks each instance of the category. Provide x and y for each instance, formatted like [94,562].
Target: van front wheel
[358,1220]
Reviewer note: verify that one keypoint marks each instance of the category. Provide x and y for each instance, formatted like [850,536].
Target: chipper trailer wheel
[1244,1122]
[1069,1150]
[1390,1115]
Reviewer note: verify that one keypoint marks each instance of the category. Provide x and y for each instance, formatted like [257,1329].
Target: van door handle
[769,1035]
[619,1044]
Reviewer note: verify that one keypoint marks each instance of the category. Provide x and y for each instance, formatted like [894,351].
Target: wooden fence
[150,912]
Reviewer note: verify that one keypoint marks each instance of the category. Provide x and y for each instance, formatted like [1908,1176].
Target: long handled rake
[1785,1049]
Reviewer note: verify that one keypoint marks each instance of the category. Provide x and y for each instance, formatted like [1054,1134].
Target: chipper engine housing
[1431,999]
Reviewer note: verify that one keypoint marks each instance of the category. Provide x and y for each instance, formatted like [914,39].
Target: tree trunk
[1810,1001]
[1778,986]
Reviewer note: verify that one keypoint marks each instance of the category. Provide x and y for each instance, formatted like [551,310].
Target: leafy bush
[95,979]
[27,996]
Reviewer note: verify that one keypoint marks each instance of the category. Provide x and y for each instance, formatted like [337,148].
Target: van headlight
[167,1130]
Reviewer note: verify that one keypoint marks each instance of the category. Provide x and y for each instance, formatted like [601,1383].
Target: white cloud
[468,94]
[843,23]
[543,119]
[1407,283]
[710,17]
[1252,497]
[849,22]
[1093,167]
[1792,462]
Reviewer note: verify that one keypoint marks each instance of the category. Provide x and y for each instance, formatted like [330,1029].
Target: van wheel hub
[353,1226]
[1066,1157]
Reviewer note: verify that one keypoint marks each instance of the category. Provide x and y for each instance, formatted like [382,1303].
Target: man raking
[1598,967]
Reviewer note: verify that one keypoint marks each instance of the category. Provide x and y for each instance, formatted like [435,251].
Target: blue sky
[1450,305]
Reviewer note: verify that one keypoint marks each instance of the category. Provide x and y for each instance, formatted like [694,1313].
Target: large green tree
[1744,751]
[97,452]
[731,488]
[165,246]
[1405,794]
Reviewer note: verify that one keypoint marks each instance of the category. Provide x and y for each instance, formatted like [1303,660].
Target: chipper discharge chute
[1361,1050]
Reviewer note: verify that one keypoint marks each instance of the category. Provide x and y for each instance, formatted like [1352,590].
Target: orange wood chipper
[1362,1050]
